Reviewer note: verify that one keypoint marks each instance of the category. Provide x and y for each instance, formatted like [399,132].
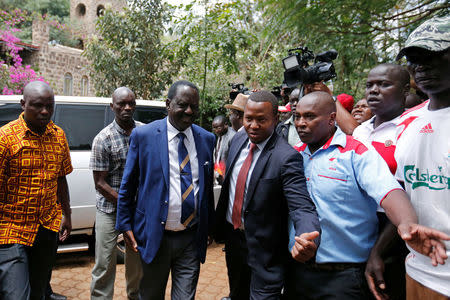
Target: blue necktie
[187,187]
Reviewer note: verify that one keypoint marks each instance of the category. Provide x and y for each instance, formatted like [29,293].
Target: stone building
[64,67]
[84,14]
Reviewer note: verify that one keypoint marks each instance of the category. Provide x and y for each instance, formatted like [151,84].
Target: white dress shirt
[235,172]
[293,137]
[174,214]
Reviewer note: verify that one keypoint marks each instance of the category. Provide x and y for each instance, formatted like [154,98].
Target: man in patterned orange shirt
[34,162]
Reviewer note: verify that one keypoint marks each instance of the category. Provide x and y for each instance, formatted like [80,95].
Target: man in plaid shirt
[108,157]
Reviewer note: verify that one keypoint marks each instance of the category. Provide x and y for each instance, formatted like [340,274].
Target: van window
[9,112]
[81,123]
[144,114]
[149,114]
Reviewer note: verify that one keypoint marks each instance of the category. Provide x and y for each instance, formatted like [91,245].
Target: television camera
[299,72]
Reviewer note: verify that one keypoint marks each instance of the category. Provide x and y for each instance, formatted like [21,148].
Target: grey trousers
[177,255]
[104,271]
[24,270]
[14,283]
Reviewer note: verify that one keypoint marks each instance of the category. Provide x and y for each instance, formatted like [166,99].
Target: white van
[82,118]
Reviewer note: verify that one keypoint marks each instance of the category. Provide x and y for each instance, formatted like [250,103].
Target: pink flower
[18,74]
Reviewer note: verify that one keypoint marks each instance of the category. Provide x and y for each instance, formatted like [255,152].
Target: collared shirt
[174,215]
[382,138]
[109,153]
[235,173]
[217,148]
[346,181]
[30,165]
[293,137]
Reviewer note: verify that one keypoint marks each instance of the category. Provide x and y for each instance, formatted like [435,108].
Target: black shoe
[56,296]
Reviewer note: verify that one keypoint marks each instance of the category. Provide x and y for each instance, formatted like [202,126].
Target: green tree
[130,51]
[13,74]
[210,43]
[224,44]
[364,34]
[55,10]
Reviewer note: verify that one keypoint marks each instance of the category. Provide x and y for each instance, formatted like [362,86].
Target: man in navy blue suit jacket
[151,205]
[256,241]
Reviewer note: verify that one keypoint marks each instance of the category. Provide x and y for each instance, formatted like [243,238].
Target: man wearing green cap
[423,154]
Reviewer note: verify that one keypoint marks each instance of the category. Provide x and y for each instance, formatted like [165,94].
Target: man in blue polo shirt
[346,181]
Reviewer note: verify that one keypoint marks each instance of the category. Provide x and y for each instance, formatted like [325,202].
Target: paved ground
[72,276]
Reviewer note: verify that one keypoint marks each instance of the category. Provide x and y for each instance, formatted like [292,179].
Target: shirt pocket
[333,185]
[118,156]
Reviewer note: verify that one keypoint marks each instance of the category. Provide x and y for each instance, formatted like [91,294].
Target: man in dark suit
[264,182]
[169,171]
[224,136]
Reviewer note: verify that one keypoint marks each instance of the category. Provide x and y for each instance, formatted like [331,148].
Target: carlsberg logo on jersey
[424,177]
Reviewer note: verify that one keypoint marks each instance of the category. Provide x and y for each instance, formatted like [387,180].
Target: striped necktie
[187,187]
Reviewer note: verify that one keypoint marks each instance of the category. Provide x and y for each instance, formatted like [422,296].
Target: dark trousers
[28,268]
[236,253]
[14,283]
[41,258]
[48,289]
[177,255]
[394,260]
[246,283]
[306,282]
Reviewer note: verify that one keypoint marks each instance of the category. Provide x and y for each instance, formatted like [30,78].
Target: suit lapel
[234,152]
[201,163]
[235,149]
[259,169]
[164,153]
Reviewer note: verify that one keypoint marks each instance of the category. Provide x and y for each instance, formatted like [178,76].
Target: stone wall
[55,61]
[84,14]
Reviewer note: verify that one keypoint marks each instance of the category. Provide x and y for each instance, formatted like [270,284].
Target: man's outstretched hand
[305,247]
[425,240]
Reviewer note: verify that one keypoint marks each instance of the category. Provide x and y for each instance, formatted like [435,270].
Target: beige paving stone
[72,276]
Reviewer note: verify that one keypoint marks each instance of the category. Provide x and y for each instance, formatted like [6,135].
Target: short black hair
[237,112]
[323,99]
[121,90]
[220,119]
[403,74]
[265,96]
[174,87]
